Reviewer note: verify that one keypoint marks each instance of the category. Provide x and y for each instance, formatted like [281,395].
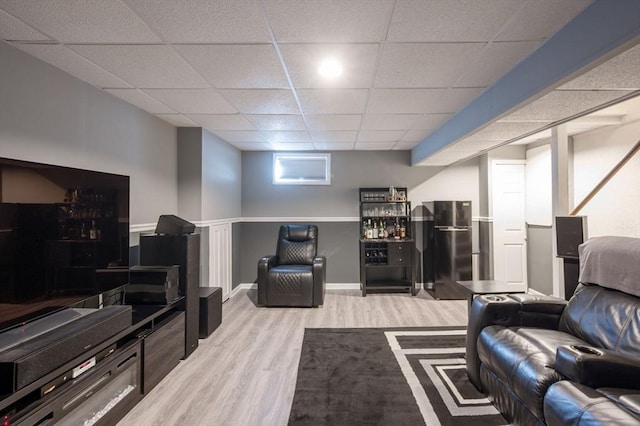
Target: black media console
[101,383]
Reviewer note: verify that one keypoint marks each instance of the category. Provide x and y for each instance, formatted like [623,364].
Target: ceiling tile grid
[247,70]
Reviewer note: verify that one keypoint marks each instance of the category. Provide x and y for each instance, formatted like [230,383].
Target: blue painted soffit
[601,31]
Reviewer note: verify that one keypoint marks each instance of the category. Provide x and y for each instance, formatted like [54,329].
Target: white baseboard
[330,286]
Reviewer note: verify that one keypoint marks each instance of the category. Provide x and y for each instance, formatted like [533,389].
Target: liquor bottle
[396,231]
[369,230]
[403,231]
[83,231]
[93,231]
[381,229]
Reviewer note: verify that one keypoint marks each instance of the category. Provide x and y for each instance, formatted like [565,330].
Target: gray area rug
[374,376]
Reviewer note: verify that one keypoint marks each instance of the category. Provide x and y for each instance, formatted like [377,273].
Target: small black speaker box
[571,231]
[169,224]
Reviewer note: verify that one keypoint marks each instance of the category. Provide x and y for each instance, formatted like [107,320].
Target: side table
[473,288]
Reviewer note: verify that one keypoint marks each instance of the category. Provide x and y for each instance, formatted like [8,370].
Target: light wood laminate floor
[245,373]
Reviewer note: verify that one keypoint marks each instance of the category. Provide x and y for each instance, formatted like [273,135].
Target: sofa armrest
[597,368]
[264,264]
[319,279]
[507,310]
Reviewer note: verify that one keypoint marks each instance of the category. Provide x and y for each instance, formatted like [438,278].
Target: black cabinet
[184,251]
[386,246]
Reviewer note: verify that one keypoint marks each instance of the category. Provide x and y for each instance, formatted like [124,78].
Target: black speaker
[33,358]
[169,224]
[571,231]
[184,251]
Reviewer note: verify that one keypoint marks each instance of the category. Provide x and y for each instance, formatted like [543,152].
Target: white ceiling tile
[374,146]
[193,101]
[404,146]
[539,19]
[495,60]
[139,65]
[454,99]
[236,66]
[74,64]
[262,101]
[303,62]
[296,146]
[82,21]
[141,100]
[204,21]
[333,122]
[249,136]
[389,121]
[415,135]
[428,65]
[333,136]
[505,130]
[380,135]
[333,101]
[252,146]
[177,120]
[446,20]
[334,146]
[620,72]
[222,121]
[560,104]
[12,29]
[431,121]
[476,144]
[284,136]
[313,21]
[276,121]
[404,101]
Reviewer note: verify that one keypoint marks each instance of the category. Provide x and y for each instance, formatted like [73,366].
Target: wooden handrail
[606,179]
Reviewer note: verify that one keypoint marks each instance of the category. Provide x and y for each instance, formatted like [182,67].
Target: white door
[509,229]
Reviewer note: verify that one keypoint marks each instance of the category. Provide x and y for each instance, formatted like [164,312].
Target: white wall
[615,210]
[538,186]
[460,182]
[51,117]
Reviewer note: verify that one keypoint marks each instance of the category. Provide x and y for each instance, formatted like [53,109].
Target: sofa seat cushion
[568,403]
[523,359]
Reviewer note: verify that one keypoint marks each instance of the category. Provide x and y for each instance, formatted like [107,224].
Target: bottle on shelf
[403,230]
[93,231]
[83,231]
[396,231]
[369,230]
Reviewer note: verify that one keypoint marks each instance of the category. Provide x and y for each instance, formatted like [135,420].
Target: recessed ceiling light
[330,68]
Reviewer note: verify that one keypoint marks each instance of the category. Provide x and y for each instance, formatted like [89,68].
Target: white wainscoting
[220,262]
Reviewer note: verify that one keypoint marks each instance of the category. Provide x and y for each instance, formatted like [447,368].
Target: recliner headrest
[611,262]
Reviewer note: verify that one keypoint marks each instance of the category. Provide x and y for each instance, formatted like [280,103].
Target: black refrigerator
[447,247]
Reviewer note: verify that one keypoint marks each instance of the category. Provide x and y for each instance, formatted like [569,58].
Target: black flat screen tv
[64,239]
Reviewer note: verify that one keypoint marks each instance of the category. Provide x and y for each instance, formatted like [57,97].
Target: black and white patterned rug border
[435,363]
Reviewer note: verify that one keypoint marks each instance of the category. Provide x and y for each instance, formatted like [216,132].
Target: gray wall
[209,176]
[51,117]
[338,240]
[350,171]
[539,267]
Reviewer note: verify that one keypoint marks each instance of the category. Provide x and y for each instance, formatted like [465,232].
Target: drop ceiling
[247,70]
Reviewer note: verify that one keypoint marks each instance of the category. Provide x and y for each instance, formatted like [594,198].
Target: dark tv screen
[64,239]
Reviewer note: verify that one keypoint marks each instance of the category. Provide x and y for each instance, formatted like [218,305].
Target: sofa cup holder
[494,298]
[586,350]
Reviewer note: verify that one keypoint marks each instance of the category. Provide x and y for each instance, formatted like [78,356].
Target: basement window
[302,169]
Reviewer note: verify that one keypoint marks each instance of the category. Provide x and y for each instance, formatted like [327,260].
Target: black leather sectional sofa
[542,360]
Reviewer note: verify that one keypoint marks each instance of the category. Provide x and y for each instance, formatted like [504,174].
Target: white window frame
[302,180]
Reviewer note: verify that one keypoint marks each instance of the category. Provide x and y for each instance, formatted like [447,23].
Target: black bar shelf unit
[386,246]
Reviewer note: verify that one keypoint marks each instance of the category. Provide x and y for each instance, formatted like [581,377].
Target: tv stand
[102,384]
